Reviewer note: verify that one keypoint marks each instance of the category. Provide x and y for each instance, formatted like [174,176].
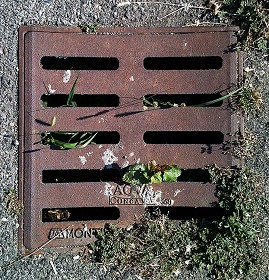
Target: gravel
[14,13]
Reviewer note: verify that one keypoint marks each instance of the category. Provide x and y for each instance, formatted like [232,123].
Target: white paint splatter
[131,154]
[100,146]
[101,120]
[108,189]
[177,192]
[131,78]
[50,90]
[138,160]
[108,157]
[66,76]
[76,257]
[82,159]
[89,154]
[125,164]
[4,219]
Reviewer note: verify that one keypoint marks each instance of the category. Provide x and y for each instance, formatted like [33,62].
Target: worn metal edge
[129,30]
[21,33]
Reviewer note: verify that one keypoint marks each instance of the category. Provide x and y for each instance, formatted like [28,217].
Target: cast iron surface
[130,82]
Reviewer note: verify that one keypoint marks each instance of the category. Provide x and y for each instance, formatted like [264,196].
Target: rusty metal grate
[78,188]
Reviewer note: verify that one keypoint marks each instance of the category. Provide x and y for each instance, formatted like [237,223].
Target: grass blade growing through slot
[218,99]
[89,141]
[70,101]
[67,140]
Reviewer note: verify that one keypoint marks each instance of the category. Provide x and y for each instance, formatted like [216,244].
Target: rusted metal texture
[48,202]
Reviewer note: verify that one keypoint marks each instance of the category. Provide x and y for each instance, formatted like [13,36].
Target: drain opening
[80,214]
[183,137]
[52,138]
[81,100]
[79,63]
[187,99]
[194,175]
[80,175]
[183,63]
[188,213]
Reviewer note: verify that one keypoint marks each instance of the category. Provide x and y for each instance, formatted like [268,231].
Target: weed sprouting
[67,140]
[157,103]
[252,17]
[88,28]
[249,100]
[139,174]
[231,248]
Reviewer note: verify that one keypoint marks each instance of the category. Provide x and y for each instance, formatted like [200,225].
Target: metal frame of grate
[65,188]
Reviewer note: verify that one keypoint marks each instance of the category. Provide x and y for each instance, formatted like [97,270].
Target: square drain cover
[68,194]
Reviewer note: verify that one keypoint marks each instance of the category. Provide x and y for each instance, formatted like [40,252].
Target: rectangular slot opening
[81,100]
[168,100]
[80,175]
[79,63]
[194,175]
[188,213]
[61,140]
[80,214]
[183,137]
[183,63]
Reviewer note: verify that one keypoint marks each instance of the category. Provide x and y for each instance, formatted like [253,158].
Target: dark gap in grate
[183,137]
[102,137]
[188,99]
[188,213]
[194,175]
[183,63]
[81,100]
[79,63]
[80,175]
[80,214]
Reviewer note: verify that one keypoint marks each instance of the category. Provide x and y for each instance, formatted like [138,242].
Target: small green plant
[70,98]
[228,248]
[70,102]
[88,28]
[156,103]
[232,248]
[151,172]
[252,17]
[249,100]
[67,140]
[156,247]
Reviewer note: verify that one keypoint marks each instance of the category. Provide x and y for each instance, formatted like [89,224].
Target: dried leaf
[53,121]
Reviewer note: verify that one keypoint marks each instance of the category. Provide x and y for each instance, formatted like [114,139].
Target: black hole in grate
[81,100]
[183,63]
[80,214]
[194,175]
[80,175]
[188,213]
[183,137]
[79,63]
[102,137]
[188,99]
